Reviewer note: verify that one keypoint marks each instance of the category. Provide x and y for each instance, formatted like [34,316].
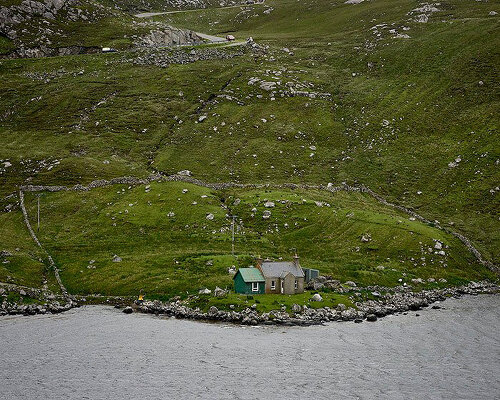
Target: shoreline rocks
[397,300]
[45,302]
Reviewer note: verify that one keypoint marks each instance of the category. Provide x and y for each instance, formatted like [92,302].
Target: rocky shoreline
[39,301]
[395,300]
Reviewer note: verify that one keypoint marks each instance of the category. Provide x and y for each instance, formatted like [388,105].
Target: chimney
[296,260]
[258,261]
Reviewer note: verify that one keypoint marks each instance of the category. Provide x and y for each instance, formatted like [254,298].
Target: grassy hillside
[356,93]
[174,237]
[21,261]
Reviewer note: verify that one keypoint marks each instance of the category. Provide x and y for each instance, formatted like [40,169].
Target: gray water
[101,353]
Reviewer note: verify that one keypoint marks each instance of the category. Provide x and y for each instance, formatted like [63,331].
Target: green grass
[27,265]
[412,107]
[266,303]
[168,246]
[14,297]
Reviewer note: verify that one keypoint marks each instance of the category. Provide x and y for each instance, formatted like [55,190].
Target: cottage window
[255,286]
[296,284]
[273,285]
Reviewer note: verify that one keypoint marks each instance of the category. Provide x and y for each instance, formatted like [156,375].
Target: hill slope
[399,96]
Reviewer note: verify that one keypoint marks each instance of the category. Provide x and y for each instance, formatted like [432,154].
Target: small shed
[249,281]
[310,273]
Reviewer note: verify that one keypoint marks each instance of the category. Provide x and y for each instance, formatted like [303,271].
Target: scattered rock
[218,292]
[366,238]
[296,308]
[316,297]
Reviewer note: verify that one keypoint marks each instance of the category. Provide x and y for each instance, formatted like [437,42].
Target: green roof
[251,275]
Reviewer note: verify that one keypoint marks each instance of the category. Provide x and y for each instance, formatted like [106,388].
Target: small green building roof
[251,275]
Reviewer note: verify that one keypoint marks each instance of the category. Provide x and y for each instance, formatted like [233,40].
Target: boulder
[316,297]
[218,292]
[371,317]
[204,291]
[349,314]
[117,259]
[128,310]
[296,308]
[366,238]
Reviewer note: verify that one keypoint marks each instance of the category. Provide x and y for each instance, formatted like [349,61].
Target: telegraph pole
[232,236]
[38,214]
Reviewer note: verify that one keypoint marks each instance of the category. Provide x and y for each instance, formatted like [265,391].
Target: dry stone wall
[158,177]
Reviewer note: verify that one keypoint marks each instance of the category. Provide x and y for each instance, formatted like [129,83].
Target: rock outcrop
[169,37]
[33,26]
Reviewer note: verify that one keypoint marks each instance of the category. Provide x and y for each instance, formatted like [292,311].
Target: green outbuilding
[249,281]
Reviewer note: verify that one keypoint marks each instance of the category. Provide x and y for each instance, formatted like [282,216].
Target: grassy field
[175,238]
[405,101]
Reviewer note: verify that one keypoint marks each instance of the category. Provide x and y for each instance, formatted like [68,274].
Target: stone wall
[158,177]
